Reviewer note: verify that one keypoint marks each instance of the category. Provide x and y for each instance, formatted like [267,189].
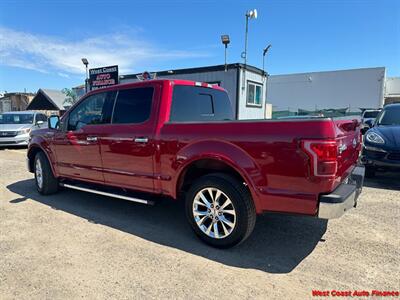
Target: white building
[352,89]
[392,90]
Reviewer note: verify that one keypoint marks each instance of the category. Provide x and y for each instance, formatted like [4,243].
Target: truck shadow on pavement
[278,244]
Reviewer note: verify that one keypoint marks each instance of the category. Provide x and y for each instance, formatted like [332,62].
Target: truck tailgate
[348,137]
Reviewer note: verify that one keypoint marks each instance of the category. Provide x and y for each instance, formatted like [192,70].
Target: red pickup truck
[179,139]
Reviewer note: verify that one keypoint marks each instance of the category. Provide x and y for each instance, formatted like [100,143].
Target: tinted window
[16,118]
[108,107]
[371,114]
[390,116]
[41,117]
[88,112]
[192,104]
[133,105]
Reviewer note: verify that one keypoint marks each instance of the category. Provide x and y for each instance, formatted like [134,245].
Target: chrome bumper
[344,197]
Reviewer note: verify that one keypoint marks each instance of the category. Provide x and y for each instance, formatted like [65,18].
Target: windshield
[16,118]
[371,114]
[390,116]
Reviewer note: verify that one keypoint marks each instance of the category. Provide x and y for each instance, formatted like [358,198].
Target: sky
[42,42]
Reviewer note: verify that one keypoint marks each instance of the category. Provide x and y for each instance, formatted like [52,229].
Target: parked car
[381,148]
[15,126]
[179,139]
[368,117]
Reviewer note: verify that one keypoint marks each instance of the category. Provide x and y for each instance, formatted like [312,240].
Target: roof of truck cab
[162,81]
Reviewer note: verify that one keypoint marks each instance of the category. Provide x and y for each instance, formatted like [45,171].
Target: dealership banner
[103,77]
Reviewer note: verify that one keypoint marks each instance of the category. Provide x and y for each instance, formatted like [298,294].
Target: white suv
[15,126]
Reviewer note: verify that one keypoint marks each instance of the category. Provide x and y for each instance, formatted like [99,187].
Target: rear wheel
[46,183]
[220,210]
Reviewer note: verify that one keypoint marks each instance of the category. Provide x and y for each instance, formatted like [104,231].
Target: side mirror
[39,123]
[53,122]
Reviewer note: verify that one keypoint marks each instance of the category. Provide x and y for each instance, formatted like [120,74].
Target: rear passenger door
[127,144]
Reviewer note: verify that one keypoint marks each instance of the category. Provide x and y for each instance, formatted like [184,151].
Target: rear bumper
[344,197]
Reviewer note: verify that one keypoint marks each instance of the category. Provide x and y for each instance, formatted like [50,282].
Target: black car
[381,148]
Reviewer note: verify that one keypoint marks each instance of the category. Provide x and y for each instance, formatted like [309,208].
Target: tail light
[323,156]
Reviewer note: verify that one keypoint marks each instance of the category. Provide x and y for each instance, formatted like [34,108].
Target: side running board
[114,195]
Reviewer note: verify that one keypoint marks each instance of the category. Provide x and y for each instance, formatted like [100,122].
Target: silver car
[15,126]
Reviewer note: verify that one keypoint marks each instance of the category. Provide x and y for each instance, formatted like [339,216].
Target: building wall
[15,101]
[323,90]
[392,86]
[227,79]
[392,90]
[5,104]
[246,111]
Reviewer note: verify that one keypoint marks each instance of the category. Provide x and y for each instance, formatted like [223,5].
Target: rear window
[371,114]
[133,106]
[193,104]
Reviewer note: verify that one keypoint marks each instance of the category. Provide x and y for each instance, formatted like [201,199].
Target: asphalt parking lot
[77,245]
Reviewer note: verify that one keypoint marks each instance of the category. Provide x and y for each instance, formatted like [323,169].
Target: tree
[71,96]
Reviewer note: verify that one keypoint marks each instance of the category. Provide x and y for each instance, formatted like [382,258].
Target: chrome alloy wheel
[214,213]
[39,173]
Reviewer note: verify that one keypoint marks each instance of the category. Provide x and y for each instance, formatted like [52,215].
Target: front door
[127,145]
[77,145]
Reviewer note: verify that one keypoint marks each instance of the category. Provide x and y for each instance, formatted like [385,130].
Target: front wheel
[46,183]
[220,210]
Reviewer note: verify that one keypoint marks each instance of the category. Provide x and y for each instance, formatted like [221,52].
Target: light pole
[86,63]
[225,40]
[264,54]
[252,14]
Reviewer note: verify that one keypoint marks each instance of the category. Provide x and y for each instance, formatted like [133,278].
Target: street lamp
[252,14]
[264,54]
[86,63]
[225,40]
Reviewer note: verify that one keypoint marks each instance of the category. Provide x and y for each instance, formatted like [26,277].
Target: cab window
[133,106]
[200,104]
[91,111]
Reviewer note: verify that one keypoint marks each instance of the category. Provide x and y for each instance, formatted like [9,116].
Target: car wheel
[220,210]
[369,172]
[46,183]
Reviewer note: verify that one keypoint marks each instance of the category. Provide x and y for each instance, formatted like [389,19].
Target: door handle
[141,140]
[91,138]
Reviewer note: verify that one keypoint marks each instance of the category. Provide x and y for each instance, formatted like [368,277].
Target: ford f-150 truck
[179,139]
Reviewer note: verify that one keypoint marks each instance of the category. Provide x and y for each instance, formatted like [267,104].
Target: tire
[45,181]
[235,220]
[369,171]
